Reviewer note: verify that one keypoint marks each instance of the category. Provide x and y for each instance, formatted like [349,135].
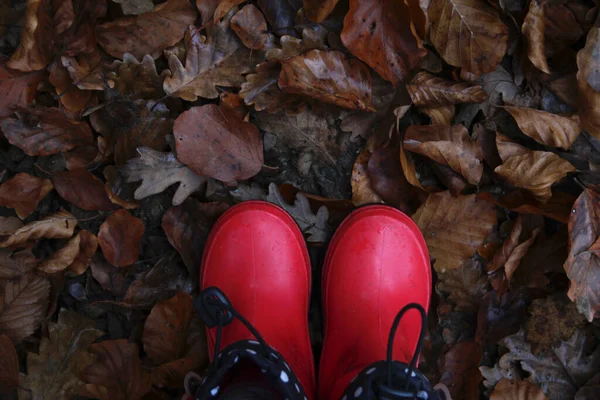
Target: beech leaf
[18,89]
[23,192]
[318,10]
[250,26]
[427,90]
[533,29]
[83,189]
[120,238]
[517,390]
[59,225]
[13,264]
[588,83]
[62,258]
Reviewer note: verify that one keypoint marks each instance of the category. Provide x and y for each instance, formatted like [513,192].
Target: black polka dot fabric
[271,364]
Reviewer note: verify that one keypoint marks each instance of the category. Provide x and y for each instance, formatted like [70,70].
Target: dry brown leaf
[517,390]
[218,59]
[222,9]
[83,189]
[23,192]
[216,142]
[138,80]
[588,59]
[88,245]
[566,89]
[16,263]
[546,128]
[120,238]
[454,227]
[117,373]
[54,372]
[147,33]
[86,70]
[362,189]
[427,90]
[382,35]
[35,50]
[440,115]
[450,146]
[234,102]
[409,169]
[561,23]
[281,15]
[291,46]
[135,7]
[8,225]
[18,89]
[330,77]
[468,34]
[250,26]
[533,29]
[62,258]
[23,306]
[589,98]
[9,365]
[466,286]
[460,372]
[59,225]
[535,171]
[69,95]
[44,131]
[583,265]
[318,10]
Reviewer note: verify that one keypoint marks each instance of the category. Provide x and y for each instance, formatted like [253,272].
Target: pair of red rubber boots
[376,264]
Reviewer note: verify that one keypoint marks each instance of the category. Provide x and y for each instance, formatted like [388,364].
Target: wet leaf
[23,192]
[546,128]
[158,171]
[9,365]
[54,372]
[18,89]
[88,245]
[250,26]
[135,7]
[450,146]
[117,373]
[461,370]
[427,90]
[147,33]
[120,238]
[23,306]
[533,29]
[134,78]
[62,258]
[362,188]
[317,10]
[216,142]
[454,227]
[516,390]
[44,131]
[59,225]
[83,189]
[381,34]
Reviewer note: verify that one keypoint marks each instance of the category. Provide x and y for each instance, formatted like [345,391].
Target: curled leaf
[318,10]
[62,258]
[533,29]
[427,90]
[9,365]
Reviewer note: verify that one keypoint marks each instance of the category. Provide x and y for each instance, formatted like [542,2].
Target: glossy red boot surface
[376,263]
[257,256]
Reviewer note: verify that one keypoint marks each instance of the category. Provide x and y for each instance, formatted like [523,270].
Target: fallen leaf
[382,34]
[330,77]
[588,60]
[86,70]
[314,226]
[8,225]
[583,265]
[565,89]
[557,208]
[234,102]
[81,188]
[120,238]
[362,189]
[468,34]
[535,171]
[216,142]
[427,90]
[108,276]
[281,15]
[546,128]
[59,225]
[23,192]
[147,33]
[74,24]
[533,29]
[158,171]
[138,80]
[70,96]
[443,115]
[54,371]
[88,244]
[82,157]
[218,59]
[517,390]
[13,264]
[466,286]
[500,315]
[9,365]
[317,11]
[35,50]
[250,26]
[589,98]
[291,46]
[454,227]
[461,370]
[62,258]
[18,89]
[117,373]
[135,7]
[23,306]
[223,8]
[118,190]
[580,355]
[561,23]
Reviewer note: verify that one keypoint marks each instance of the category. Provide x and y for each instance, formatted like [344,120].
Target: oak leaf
[59,225]
[135,7]
[317,10]
[535,171]
[54,372]
[136,79]
[223,8]
[23,305]
[16,263]
[450,146]
[216,142]
[330,77]
[88,244]
[250,26]
[382,34]
[533,29]
[83,189]
[362,189]
[23,192]
[62,258]
[158,171]
[120,238]
[517,390]
[117,373]
[18,89]
[454,227]
[45,131]
[427,90]
[468,34]
[466,286]
[9,365]
[147,33]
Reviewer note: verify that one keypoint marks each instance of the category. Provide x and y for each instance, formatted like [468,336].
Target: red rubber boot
[377,263]
[256,255]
